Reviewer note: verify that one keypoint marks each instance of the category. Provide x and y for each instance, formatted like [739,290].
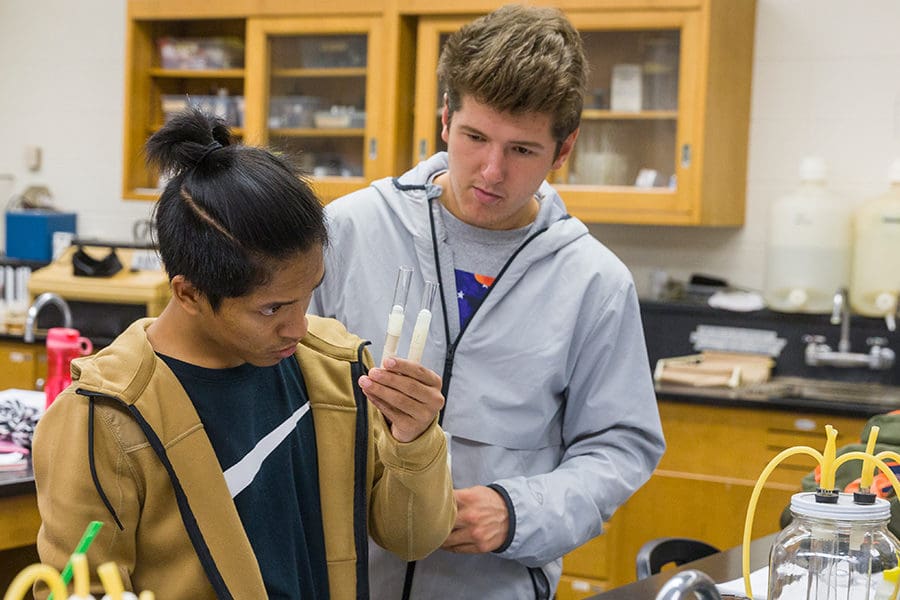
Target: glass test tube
[423,322]
[395,318]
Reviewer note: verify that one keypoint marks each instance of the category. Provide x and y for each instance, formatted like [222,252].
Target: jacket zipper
[451,351]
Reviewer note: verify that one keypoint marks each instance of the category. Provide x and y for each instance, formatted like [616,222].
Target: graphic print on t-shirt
[471,288]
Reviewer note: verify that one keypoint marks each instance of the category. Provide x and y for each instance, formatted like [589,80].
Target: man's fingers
[412,369]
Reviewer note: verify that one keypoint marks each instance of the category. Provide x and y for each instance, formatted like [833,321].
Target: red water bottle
[63,344]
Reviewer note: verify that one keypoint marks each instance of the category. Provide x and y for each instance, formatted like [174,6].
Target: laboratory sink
[828,391]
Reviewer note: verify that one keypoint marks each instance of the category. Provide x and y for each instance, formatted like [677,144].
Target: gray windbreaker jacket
[549,396]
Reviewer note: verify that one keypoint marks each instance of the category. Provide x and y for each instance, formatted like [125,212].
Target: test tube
[395,318]
[423,322]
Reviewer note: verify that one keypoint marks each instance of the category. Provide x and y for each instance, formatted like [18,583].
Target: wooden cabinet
[22,366]
[152,86]
[19,521]
[702,486]
[586,569]
[315,94]
[349,90]
[663,138]
[308,80]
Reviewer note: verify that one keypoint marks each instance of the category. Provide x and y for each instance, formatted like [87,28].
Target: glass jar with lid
[838,551]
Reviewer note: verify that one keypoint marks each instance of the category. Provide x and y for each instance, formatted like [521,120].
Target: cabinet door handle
[373,149]
[685,155]
[423,149]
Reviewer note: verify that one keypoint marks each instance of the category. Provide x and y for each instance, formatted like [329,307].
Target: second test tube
[396,316]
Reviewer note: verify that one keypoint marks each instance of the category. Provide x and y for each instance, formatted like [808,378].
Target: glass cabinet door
[631,111]
[174,64]
[315,97]
[433,33]
[632,160]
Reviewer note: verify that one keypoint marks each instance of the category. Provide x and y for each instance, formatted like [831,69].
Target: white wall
[62,88]
[826,80]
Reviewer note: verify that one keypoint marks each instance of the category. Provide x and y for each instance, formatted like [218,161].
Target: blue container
[29,233]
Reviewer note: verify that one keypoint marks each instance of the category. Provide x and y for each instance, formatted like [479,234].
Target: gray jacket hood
[408,196]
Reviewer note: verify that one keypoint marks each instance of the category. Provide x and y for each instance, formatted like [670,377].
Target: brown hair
[518,59]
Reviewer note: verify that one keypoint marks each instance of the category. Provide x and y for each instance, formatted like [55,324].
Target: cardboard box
[29,233]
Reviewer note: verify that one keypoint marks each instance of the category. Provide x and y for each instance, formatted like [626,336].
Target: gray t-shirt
[478,256]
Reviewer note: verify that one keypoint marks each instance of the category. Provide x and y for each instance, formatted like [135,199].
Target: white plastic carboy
[809,245]
[837,546]
[875,274]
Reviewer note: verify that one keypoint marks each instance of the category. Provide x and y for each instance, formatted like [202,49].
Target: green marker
[86,539]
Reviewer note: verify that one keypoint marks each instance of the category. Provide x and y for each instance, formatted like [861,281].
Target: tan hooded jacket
[124,445]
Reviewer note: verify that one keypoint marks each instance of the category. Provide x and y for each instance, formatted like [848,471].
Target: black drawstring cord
[93,467]
[451,347]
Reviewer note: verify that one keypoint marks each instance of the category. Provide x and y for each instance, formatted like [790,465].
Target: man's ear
[445,120]
[191,300]
[565,149]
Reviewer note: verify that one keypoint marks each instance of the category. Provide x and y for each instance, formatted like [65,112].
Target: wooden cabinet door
[155,88]
[633,161]
[22,366]
[312,82]
[433,32]
[315,92]
[572,587]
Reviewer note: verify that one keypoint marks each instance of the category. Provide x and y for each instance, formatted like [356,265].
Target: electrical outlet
[33,158]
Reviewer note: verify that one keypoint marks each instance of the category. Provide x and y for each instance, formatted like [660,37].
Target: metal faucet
[688,584]
[840,315]
[818,353]
[39,303]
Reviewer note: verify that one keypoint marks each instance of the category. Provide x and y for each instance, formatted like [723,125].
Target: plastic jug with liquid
[63,344]
[809,246]
[875,274]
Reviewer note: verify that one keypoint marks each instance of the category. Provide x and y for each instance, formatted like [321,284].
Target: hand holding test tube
[396,316]
[407,393]
[423,322]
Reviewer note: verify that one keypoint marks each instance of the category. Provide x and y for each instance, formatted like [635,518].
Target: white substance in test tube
[394,329]
[420,335]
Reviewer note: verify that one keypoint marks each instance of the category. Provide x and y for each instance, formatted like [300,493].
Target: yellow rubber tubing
[20,588]
[868,469]
[81,576]
[112,581]
[878,462]
[826,480]
[754,498]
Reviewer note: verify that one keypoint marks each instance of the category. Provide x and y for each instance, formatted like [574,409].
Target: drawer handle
[21,357]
